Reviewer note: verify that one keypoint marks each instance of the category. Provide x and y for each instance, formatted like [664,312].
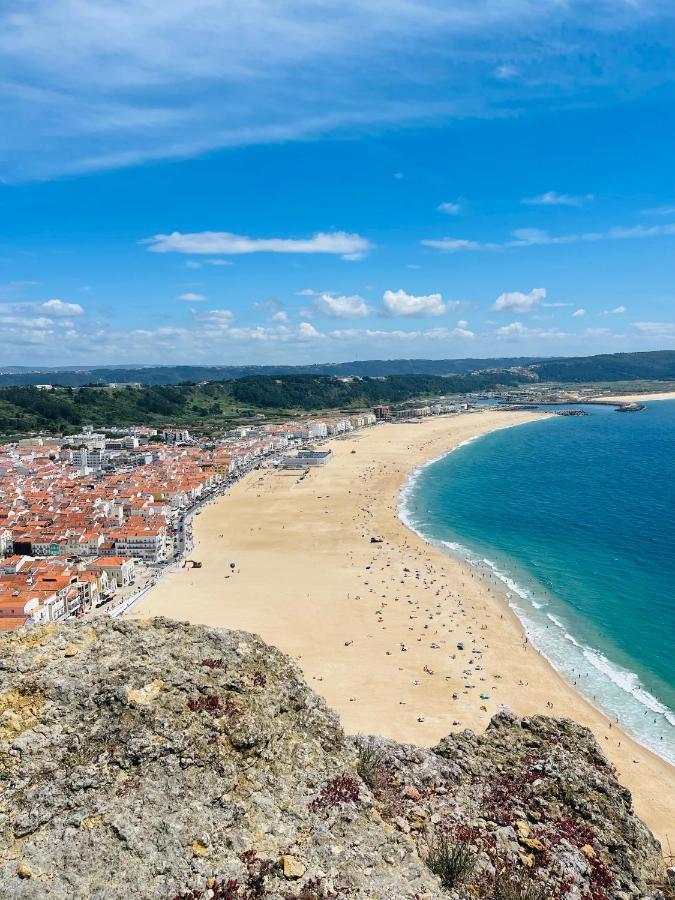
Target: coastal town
[89,522]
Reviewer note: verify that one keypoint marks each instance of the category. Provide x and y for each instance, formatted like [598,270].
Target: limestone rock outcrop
[163,760]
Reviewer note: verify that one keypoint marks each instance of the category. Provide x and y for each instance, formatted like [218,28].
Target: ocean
[575,518]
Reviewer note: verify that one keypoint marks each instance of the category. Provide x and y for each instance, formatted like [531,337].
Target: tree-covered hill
[26,408]
[652,365]
[655,366]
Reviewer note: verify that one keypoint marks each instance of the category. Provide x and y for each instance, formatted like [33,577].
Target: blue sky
[311,181]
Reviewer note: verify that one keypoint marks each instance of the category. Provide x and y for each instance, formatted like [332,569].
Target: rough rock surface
[164,760]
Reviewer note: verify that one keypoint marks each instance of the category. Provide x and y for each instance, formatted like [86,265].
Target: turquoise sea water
[576,518]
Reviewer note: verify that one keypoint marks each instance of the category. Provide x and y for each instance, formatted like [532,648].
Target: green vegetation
[658,365]
[452,863]
[214,404]
[370,763]
[102,376]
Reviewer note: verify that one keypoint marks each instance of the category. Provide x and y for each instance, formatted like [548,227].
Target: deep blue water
[576,516]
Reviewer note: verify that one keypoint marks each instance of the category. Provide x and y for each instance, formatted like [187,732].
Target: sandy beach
[375,626]
[639,398]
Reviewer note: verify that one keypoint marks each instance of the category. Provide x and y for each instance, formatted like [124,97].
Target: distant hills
[657,365]
[653,365]
[209,397]
[78,376]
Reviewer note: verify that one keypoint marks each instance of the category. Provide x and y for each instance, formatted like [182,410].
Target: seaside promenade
[375,626]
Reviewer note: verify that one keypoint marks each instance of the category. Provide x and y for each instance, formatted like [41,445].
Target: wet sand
[375,626]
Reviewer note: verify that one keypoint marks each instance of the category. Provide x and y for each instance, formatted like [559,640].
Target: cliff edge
[163,760]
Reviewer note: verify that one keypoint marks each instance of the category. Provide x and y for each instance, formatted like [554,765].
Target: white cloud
[516,301]
[598,332]
[518,330]
[59,308]
[433,334]
[533,237]
[454,244]
[217,318]
[189,297]
[280,316]
[399,303]
[635,231]
[270,306]
[660,211]
[340,243]
[656,329]
[506,72]
[553,198]
[578,313]
[308,332]
[450,208]
[618,310]
[462,330]
[194,264]
[339,306]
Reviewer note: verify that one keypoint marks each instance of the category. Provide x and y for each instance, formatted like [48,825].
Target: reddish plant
[341,789]
[214,663]
[212,704]
[220,890]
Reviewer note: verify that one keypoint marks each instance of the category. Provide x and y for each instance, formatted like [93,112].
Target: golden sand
[309,580]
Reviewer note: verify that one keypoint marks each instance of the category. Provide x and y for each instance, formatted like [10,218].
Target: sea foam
[614,689]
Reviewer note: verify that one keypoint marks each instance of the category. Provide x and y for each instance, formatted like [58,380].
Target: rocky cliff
[164,760]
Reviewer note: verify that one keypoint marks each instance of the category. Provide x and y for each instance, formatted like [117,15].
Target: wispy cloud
[100,84]
[450,208]
[516,330]
[537,237]
[659,211]
[189,297]
[339,243]
[454,244]
[656,329]
[553,198]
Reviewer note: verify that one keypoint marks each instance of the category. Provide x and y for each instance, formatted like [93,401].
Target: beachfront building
[151,543]
[362,420]
[120,570]
[305,458]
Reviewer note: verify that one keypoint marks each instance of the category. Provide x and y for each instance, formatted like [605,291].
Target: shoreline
[309,580]
[506,587]
[634,398]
